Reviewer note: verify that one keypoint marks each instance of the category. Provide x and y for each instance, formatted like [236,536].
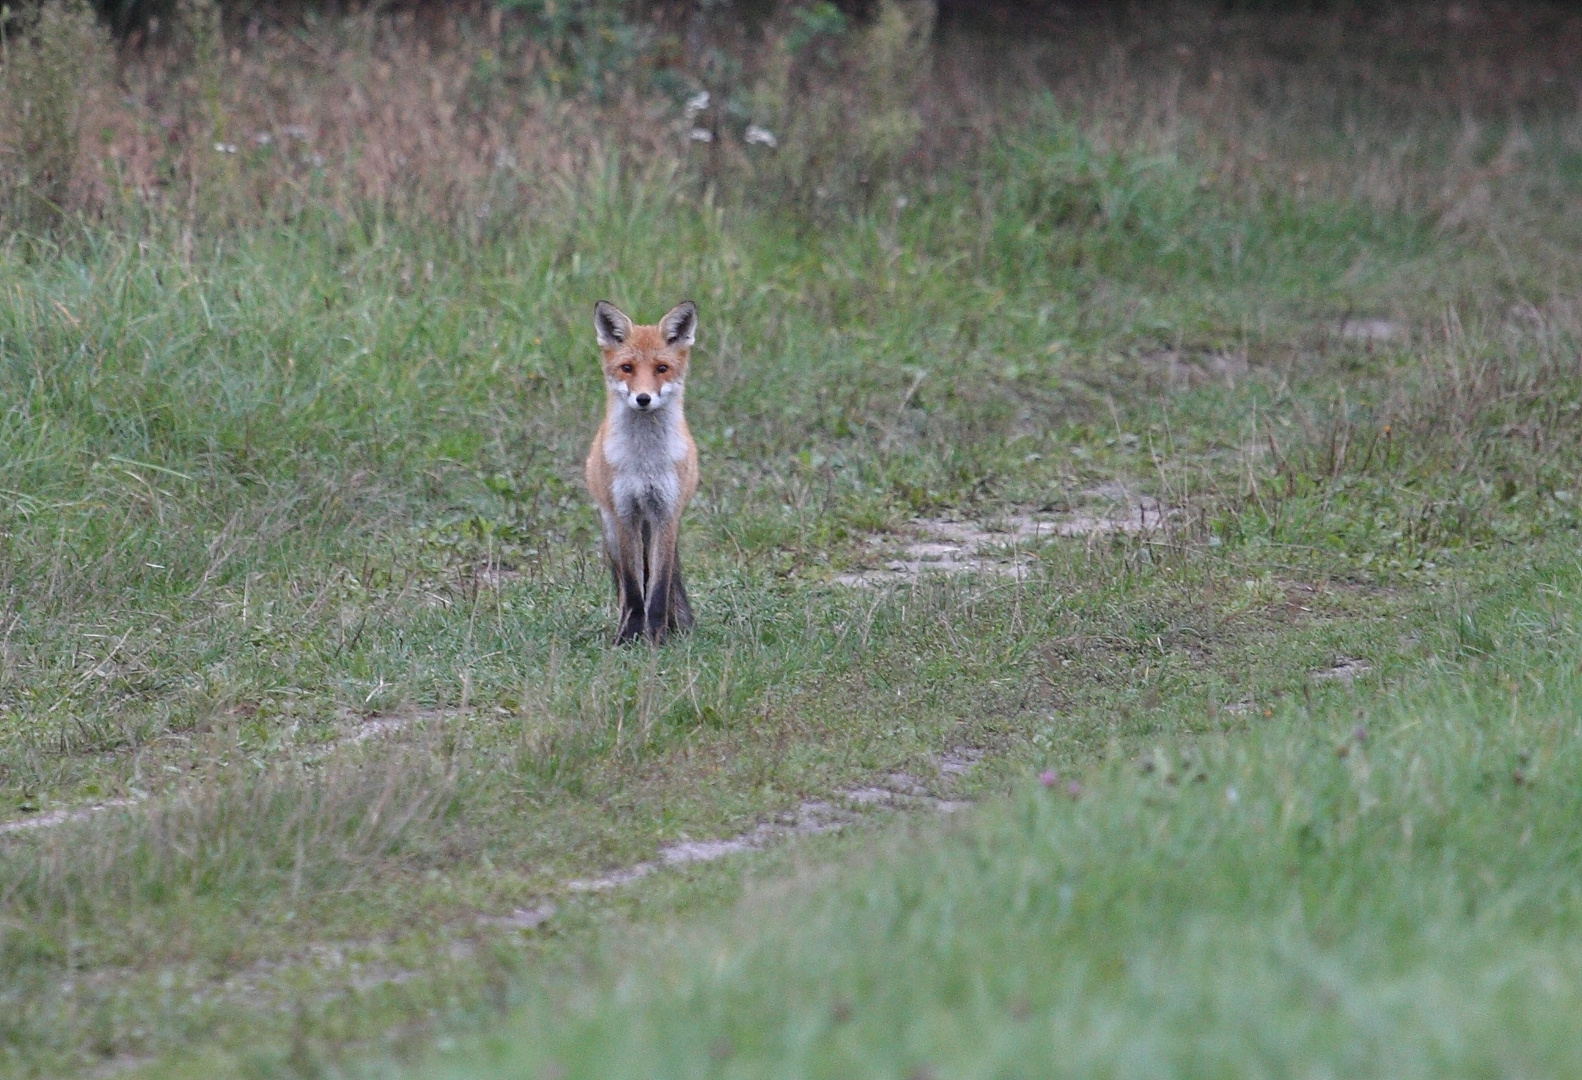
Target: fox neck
[644,451]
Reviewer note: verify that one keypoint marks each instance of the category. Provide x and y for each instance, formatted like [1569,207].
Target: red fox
[643,466]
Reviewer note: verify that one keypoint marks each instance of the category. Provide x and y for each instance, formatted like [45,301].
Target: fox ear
[680,324]
[610,324]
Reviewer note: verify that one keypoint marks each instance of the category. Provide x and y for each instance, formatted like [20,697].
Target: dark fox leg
[680,608]
[631,596]
[660,564]
[613,562]
[626,565]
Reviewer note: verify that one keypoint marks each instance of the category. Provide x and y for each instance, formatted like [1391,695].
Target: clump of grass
[252,840]
[52,65]
[1482,424]
[212,177]
[841,122]
[582,45]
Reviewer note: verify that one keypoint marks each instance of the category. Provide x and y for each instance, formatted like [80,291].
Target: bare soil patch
[1002,547]
[1345,669]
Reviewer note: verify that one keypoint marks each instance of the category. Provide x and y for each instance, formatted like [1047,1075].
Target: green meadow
[1387,889]
[1135,562]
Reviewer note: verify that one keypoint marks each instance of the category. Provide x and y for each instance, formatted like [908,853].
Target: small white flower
[760,136]
[700,135]
[697,103]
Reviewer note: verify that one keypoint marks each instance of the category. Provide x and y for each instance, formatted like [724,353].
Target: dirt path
[897,790]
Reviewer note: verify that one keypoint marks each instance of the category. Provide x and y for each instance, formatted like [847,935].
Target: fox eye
[661,369]
[626,368]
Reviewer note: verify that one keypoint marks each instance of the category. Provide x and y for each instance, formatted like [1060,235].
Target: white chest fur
[643,450]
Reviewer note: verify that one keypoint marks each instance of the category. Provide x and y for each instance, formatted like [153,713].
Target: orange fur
[642,468]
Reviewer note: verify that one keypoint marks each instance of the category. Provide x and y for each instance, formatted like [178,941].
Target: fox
[642,469]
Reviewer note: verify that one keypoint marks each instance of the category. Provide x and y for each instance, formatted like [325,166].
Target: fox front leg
[626,564]
[664,583]
[680,614]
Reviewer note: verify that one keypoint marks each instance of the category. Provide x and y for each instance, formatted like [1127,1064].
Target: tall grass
[477,116]
[473,119]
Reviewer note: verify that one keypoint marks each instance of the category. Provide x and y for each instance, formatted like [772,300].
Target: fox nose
[643,400]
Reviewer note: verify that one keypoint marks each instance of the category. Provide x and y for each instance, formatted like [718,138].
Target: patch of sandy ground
[1004,546]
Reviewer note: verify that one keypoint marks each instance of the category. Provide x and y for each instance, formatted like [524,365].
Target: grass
[1385,887]
[266,478]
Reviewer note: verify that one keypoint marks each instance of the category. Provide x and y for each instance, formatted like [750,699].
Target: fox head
[645,366]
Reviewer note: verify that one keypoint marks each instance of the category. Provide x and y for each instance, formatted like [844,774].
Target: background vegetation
[300,588]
